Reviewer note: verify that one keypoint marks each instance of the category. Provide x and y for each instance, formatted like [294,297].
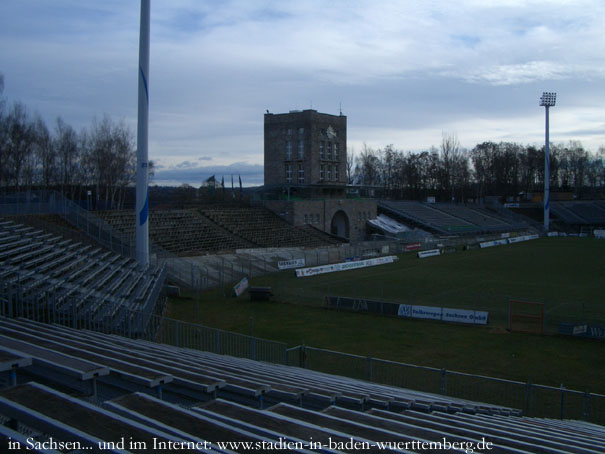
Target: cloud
[251,174]
[402,71]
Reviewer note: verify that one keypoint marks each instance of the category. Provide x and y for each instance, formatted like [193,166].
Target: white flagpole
[142,193]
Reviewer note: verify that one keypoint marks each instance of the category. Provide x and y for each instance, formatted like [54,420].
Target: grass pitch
[566,274]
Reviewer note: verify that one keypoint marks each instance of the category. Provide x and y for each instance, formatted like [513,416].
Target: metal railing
[148,324]
[533,399]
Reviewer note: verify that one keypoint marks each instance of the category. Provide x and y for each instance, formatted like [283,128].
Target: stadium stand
[202,397]
[218,229]
[580,212]
[80,282]
[178,231]
[265,229]
[448,218]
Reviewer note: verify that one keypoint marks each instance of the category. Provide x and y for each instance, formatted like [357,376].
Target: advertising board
[240,287]
[492,243]
[288,264]
[344,266]
[428,253]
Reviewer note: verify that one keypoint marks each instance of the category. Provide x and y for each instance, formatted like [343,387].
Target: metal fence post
[303,356]
[586,406]
[443,382]
[527,406]
[369,368]
[562,401]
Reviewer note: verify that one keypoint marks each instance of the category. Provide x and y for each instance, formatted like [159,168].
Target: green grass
[564,273]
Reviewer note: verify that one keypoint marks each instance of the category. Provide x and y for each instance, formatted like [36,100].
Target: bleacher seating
[140,388]
[264,228]
[178,231]
[476,215]
[580,212]
[448,218]
[73,280]
[218,229]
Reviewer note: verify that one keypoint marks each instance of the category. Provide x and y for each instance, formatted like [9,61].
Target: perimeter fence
[533,399]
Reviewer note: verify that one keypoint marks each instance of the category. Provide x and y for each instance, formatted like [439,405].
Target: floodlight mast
[142,192]
[548,99]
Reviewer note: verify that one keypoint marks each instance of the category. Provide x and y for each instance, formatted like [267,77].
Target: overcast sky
[403,72]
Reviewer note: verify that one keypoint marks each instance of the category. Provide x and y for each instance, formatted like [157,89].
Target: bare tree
[349,165]
[367,165]
[19,144]
[44,153]
[67,150]
[111,159]
[454,164]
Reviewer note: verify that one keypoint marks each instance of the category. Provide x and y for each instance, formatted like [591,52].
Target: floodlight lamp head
[548,99]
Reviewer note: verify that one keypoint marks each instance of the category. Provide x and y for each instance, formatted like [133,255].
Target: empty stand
[449,218]
[58,278]
[580,212]
[178,231]
[264,228]
[245,402]
[76,421]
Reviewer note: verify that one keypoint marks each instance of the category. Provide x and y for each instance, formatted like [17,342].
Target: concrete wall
[321,213]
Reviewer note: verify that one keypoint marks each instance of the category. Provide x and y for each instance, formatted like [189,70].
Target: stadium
[101,352]
[396,303]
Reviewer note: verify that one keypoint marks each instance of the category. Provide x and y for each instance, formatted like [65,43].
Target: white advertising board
[429,253]
[433,313]
[600,234]
[493,243]
[344,266]
[288,264]
[405,310]
[519,239]
[464,316]
[443,313]
[240,287]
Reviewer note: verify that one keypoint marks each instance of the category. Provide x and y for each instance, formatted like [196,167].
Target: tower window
[288,173]
[288,150]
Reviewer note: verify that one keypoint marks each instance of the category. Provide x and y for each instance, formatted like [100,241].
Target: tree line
[100,158]
[451,172]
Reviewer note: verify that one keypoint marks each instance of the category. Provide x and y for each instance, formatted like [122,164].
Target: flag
[232,191]
[240,186]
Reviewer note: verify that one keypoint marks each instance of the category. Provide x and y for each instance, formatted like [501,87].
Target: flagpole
[142,191]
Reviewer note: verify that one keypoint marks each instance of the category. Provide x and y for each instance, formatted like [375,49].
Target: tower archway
[340,224]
